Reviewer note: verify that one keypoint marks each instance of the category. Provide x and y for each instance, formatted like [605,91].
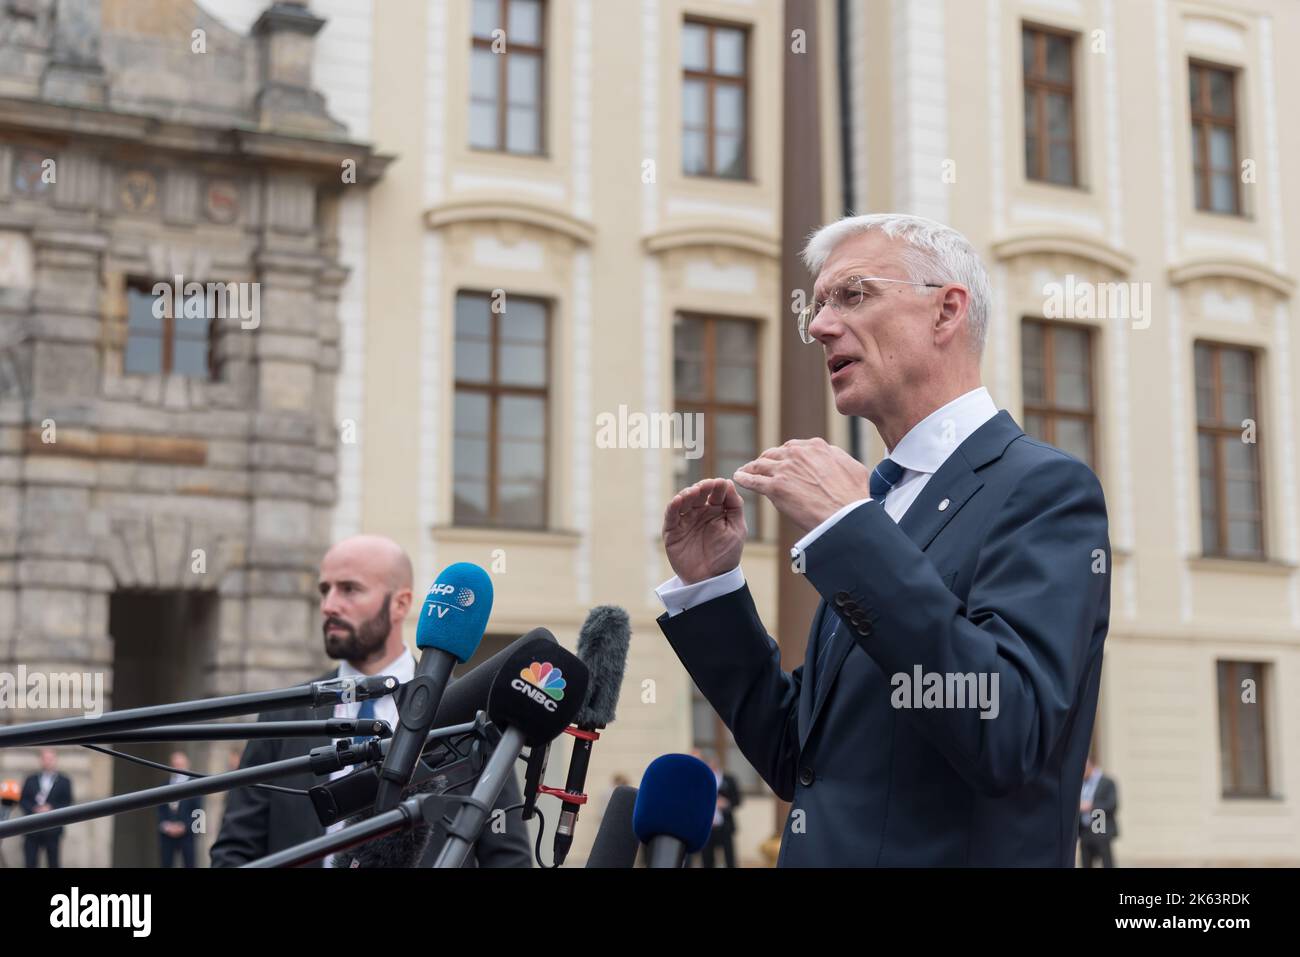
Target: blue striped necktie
[883,478]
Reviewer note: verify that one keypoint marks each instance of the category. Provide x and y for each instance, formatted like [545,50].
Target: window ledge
[1249,803]
[504,535]
[1250,566]
[1081,189]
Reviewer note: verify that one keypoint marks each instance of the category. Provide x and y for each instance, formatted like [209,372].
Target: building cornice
[714,236]
[1221,268]
[547,218]
[111,128]
[1068,244]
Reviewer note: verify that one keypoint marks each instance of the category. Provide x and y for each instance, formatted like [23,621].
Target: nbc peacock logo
[547,677]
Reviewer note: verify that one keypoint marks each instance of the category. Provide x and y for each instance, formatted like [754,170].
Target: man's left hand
[808,480]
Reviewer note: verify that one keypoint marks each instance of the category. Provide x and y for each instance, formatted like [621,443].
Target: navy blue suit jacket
[1010,578]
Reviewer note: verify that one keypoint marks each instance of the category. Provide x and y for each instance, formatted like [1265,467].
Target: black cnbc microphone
[452,622]
[602,646]
[534,697]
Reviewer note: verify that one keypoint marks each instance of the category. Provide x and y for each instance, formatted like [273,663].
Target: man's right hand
[704,530]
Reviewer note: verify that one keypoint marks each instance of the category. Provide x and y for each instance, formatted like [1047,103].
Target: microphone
[534,697]
[602,646]
[616,843]
[402,848]
[465,697]
[674,808]
[452,622]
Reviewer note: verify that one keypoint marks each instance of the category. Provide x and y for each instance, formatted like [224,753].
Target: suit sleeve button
[841,599]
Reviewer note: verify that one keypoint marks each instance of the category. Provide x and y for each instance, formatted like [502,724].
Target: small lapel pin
[943,505]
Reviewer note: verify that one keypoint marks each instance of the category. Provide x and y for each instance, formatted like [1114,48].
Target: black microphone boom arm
[314,694]
[322,760]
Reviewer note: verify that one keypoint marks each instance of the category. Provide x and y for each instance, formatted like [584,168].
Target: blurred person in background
[176,820]
[45,791]
[1098,826]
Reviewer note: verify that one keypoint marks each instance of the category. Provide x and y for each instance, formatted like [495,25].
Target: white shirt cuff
[816,533]
[678,597]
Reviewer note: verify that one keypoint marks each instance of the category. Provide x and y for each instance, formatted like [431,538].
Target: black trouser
[42,840]
[1099,850]
[169,847]
[719,837]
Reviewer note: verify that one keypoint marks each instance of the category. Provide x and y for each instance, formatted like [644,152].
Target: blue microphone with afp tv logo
[452,622]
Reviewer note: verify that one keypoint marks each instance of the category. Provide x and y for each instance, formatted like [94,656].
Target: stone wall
[194,164]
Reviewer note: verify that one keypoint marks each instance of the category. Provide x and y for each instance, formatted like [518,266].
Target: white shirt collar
[402,668]
[928,444]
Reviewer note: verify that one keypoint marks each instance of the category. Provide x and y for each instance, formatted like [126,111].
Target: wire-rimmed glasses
[848,295]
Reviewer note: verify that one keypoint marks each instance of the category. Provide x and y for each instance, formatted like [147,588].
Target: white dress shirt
[1089,792]
[403,669]
[46,786]
[920,452]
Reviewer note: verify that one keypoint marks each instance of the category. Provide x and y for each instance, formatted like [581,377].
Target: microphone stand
[315,694]
[464,831]
[424,808]
[244,731]
[420,809]
[322,760]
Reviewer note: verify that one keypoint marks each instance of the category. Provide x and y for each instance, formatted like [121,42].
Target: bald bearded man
[365,595]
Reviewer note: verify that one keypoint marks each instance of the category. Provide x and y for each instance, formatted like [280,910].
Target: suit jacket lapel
[956,481]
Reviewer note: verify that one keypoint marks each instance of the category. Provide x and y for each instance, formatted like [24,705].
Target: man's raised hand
[704,530]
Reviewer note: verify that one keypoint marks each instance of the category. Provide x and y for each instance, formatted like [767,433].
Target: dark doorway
[163,645]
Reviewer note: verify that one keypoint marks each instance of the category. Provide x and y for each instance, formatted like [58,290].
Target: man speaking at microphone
[944,708]
[365,595]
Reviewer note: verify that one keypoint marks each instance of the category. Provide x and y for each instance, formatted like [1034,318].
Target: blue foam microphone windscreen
[677,797]
[455,611]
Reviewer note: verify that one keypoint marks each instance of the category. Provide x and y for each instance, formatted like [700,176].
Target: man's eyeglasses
[848,295]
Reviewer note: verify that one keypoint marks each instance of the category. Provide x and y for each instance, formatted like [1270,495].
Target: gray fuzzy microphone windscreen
[602,646]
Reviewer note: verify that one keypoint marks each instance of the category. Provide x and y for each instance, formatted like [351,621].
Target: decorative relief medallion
[221,201]
[138,191]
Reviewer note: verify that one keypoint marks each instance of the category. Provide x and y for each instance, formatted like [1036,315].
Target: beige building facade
[602,227]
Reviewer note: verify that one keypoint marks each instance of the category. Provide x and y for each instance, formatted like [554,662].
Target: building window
[507,87]
[1232,513]
[715,95]
[1058,388]
[1214,137]
[1243,753]
[158,342]
[715,372]
[499,458]
[1048,58]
